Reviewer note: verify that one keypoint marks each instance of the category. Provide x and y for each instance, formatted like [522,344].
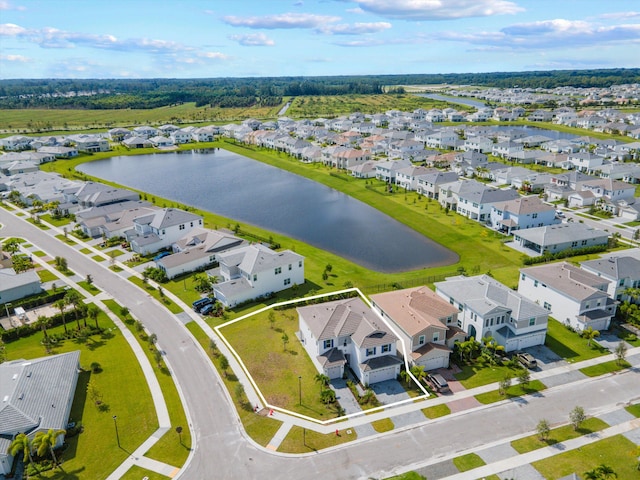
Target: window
[449,320]
[300,264]
[621,284]
[532,322]
[522,277]
[371,351]
[181,227]
[287,281]
[583,243]
[385,348]
[574,244]
[255,277]
[421,340]
[191,224]
[290,266]
[436,336]
[278,270]
[328,343]
[535,283]
[547,306]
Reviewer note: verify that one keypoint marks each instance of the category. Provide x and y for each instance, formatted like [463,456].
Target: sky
[267,38]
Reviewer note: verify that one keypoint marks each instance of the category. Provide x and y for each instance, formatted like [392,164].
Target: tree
[93,312]
[21,263]
[224,364]
[504,385]
[328,268]
[152,339]
[418,372]
[577,416]
[543,429]
[46,441]
[43,322]
[322,379]
[240,393]
[589,333]
[22,444]
[327,396]
[202,283]
[12,246]
[272,319]
[524,377]
[621,352]
[179,432]
[61,305]
[213,348]
[601,472]
[124,313]
[73,298]
[61,264]
[157,356]
[285,340]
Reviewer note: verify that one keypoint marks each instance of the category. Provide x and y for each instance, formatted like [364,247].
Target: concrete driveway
[545,357]
[389,391]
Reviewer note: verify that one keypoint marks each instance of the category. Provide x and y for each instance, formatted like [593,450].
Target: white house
[429,184]
[622,272]
[256,271]
[347,332]
[160,229]
[521,213]
[490,309]
[556,238]
[14,286]
[426,324]
[572,296]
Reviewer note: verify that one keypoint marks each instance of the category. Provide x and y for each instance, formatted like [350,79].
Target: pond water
[251,192]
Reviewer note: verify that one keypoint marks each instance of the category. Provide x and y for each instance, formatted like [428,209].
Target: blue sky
[246,38]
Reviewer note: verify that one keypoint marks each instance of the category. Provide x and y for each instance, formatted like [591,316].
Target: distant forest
[269,91]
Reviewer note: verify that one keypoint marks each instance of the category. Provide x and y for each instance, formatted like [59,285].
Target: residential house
[160,229]
[145,132]
[137,142]
[364,170]
[118,134]
[426,324]
[180,136]
[480,144]
[37,397]
[256,271]
[506,149]
[429,184]
[348,333]
[622,272]
[572,296]
[89,143]
[585,161]
[557,238]
[521,213]
[59,151]
[473,199]
[14,286]
[388,170]
[408,177]
[489,309]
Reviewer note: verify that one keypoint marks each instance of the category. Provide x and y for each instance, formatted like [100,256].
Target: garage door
[441,361]
[334,372]
[381,375]
[531,341]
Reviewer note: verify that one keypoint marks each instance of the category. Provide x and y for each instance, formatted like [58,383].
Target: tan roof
[524,205]
[414,309]
[568,279]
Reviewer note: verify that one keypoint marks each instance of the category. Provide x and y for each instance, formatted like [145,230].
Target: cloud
[355,29]
[15,58]
[550,34]
[438,9]
[253,40]
[283,20]
[619,15]
[5,5]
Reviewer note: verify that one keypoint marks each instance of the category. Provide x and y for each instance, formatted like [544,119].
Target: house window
[421,340]
[287,281]
[535,283]
[300,264]
[449,320]
[621,284]
[200,222]
[328,343]
[278,270]
[532,322]
[574,244]
[371,351]
[290,266]
[164,232]
[255,277]
[436,336]
[547,306]
[385,348]
[535,215]
[191,224]
[181,227]
[584,242]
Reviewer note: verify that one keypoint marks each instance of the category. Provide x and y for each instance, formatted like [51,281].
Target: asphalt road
[224,451]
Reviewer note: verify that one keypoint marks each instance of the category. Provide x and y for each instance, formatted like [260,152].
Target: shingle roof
[615,267]
[568,279]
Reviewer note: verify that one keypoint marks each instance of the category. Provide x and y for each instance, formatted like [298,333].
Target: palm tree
[589,333]
[327,396]
[92,312]
[22,444]
[322,379]
[43,322]
[418,372]
[404,375]
[45,442]
[73,298]
[61,305]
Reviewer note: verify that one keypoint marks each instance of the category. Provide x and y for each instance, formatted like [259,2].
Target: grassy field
[436,411]
[468,462]
[137,473]
[300,440]
[513,391]
[482,373]
[172,307]
[569,345]
[557,435]
[634,409]
[605,367]
[94,453]
[383,425]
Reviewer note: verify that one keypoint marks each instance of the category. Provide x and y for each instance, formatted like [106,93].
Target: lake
[252,192]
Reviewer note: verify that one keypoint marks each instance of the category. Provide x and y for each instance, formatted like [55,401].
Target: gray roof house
[160,229]
[556,238]
[14,286]
[36,396]
[622,272]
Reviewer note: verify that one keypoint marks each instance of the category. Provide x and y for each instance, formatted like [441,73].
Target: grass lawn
[94,453]
[468,462]
[634,409]
[85,250]
[56,222]
[40,225]
[115,253]
[89,287]
[569,345]
[98,258]
[512,392]
[408,476]
[383,425]
[617,452]
[172,307]
[480,372]
[46,276]
[39,253]
[168,449]
[275,367]
[68,240]
[436,411]
[260,428]
[629,337]
[137,473]
[606,367]
[557,435]
[300,440]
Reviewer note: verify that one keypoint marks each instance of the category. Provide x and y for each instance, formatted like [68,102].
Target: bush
[156,274]
[571,252]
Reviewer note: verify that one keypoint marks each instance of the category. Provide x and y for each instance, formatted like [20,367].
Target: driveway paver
[525,472]
[616,417]
[497,453]
[439,470]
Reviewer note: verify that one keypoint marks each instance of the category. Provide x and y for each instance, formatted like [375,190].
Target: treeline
[248,92]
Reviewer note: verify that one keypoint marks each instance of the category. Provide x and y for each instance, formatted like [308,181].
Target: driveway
[545,357]
[391,391]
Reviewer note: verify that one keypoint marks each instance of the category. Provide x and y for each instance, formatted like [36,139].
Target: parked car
[198,305]
[559,213]
[527,360]
[160,256]
[438,382]
[207,309]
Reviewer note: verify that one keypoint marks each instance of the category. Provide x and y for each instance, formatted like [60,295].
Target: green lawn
[606,367]
[436,411]
[634,409]
[480,372]
[276,368]
[408,476]
[68,240]
[98,258]
[39,253]
[85,250]
[300,440]
[383,425]
[513,391]
[557,435]
[569,345]
[260,428]
[616,452]
[94,453]
[116,252]
[46,276]
[168,449]
[172,307]
[138,473]
[89,287]
[56,222]
[468,462]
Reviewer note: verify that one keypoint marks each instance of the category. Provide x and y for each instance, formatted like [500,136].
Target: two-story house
[521,213]
[256,271]
[473,199]
[426,324]
[347,332]
[622,272]
[490,309]
[429,184]
[160,229]
[572,296]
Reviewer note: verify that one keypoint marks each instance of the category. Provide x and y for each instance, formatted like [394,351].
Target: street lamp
[115,423]
[300,389]
[7,305]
